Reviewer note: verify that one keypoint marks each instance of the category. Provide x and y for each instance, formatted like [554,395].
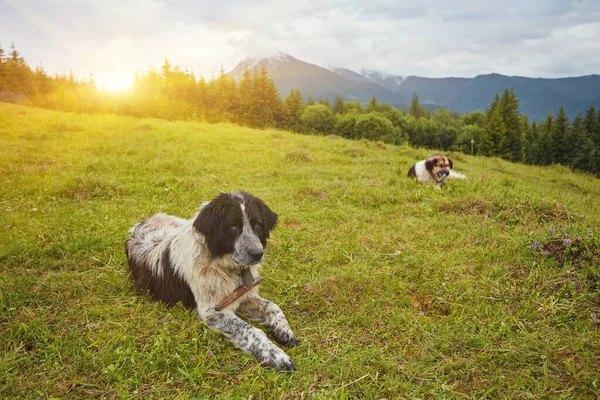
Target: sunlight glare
[114,84]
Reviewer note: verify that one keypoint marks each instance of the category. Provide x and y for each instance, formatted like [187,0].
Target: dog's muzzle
[248,249]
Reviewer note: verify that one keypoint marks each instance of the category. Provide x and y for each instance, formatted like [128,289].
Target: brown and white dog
[436,169]
[201,261]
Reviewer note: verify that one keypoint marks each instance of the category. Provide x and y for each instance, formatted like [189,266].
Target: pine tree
[559,144]
[494,134]
[311,100]
[511,147]
[372,106]
[3,73]
[15,56]
[416,110]
[531,137]
[577,137]
[269,107]
[295,107]
[225,96]
[542,150]
[324,101]
[338,106]
[590,120]
[246,107]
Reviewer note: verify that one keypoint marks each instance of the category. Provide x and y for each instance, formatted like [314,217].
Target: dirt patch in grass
[312,192]
[577,188]
[512,212]
[523,211]
[298,156]
[470,207]
[584,258]
[83,189]
[427,305]
[355,153]
[144,127]
[293,224]
[67,127]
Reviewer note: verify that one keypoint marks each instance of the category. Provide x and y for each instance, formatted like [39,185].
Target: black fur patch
[429,164]
[168,288]
[412,173]
[221,222]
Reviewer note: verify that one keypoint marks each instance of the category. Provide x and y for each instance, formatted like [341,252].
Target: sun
[115,84]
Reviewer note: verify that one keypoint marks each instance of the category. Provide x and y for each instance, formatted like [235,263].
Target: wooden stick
[237,293]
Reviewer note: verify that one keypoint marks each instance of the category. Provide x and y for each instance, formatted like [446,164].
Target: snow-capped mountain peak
[269,59]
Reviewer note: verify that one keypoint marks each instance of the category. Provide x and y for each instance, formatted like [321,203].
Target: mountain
[537,96]
[291,73]
[348,74]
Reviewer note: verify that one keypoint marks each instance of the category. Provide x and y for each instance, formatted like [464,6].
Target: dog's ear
[270,218]
[429,163]
[209,223]
[451,164]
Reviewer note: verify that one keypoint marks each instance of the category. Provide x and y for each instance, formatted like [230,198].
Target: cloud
[428,38]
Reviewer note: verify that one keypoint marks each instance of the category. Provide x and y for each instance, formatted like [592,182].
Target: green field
[395,290]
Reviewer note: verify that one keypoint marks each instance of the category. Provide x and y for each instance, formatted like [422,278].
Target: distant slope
[537,96]
[291,73]
[433,90]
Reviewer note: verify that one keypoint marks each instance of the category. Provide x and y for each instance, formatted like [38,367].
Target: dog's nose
[444,173]
[256,254]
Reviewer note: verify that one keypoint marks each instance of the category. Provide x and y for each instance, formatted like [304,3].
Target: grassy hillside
[394,289]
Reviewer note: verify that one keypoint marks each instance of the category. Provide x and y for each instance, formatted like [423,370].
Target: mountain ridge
[537,96]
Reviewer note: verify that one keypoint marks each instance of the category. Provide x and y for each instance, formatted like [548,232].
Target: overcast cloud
[434,38]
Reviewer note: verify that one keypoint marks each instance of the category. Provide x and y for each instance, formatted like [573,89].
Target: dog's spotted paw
[285,338]
[282,363]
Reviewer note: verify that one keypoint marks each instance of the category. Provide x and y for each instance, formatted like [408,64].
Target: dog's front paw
[285,338]
[281,362]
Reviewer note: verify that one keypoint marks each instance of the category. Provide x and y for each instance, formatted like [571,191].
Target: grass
[394,289]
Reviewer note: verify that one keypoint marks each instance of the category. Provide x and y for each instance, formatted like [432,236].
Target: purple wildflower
[546,253]
[567,235]
[571,225]
[552,229]
[591,233]
[210,353]
[567,241]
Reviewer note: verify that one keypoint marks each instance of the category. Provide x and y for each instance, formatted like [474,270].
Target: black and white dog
[203,260]
[435,169]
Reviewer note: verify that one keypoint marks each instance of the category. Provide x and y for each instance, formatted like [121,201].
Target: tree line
[172,93]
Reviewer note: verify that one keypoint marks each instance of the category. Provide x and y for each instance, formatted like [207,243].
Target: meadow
[488,288]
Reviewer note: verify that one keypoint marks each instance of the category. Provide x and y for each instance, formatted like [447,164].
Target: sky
[432,38]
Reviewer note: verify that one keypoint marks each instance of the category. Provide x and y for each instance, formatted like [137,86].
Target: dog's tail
[456,175]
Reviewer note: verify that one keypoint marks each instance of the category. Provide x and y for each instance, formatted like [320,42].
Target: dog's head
[439,167]
[237,224]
